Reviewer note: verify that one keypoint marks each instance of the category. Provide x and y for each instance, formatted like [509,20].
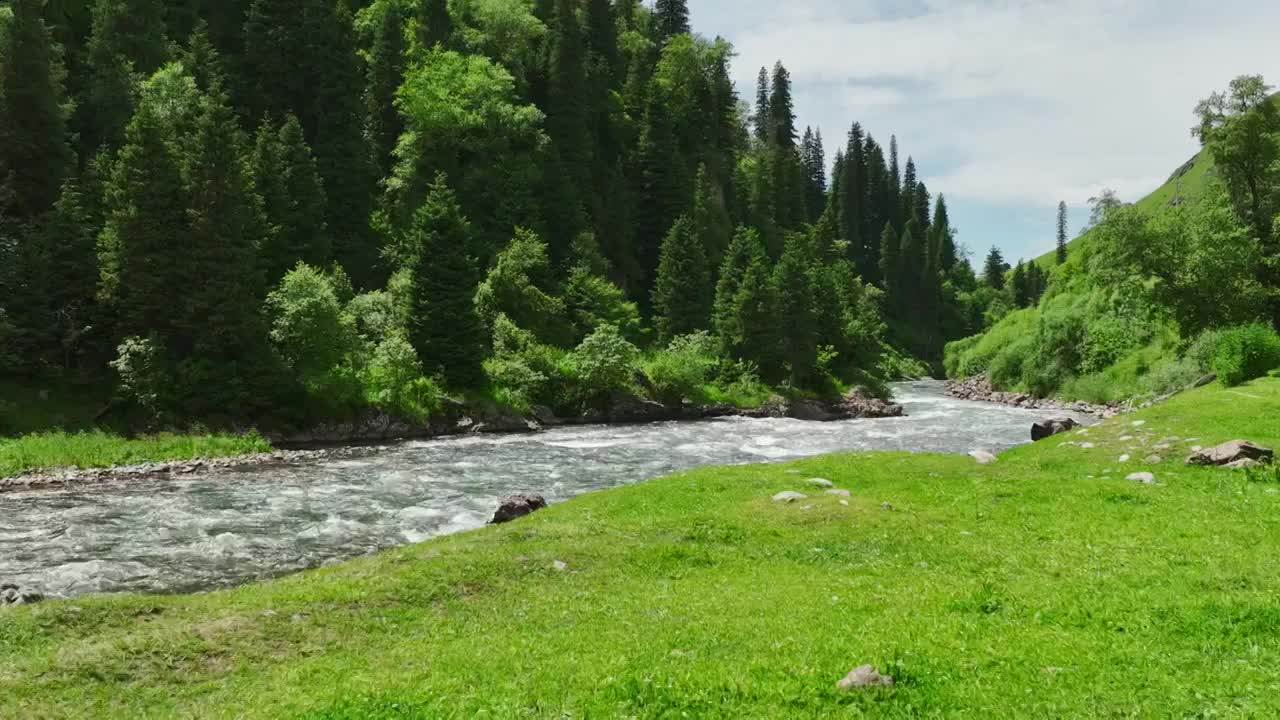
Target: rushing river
[229,527]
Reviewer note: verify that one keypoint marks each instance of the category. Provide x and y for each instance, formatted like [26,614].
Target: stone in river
[513,507]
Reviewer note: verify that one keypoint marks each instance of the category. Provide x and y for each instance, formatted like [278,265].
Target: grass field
[97,449]
[1044,585]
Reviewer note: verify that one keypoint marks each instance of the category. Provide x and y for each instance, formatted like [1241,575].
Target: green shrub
[375,316]
[602,363]
[1006,367]
[738,383]
[1246,352]
[1201,352]
[680,371]
[308,326]
[145,376]
[393,381]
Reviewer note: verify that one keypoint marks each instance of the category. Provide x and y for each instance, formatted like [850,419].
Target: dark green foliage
[994,268]
[682,293]
[672,18]
[762,121]
[127,43]
[384,72]
[796,311]
[435,24]
[891,262]
[1246,352]
[710,217]
[745,251]
[443,324]
[782,113]
[293,201]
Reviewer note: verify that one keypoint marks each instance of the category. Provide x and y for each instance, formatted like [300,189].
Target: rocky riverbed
[979,388]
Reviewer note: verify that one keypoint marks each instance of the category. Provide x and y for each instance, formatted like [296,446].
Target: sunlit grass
[94,449]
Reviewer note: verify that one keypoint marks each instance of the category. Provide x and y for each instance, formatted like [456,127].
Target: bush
[375,316]
[681,371]
[738,383]
[393,381]
[308,326]
[1203,349]
[1246,352]
[1006,367]
[145,377]
[603,363]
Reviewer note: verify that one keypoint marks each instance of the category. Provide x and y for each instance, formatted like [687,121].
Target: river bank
[376,429]
[979,389]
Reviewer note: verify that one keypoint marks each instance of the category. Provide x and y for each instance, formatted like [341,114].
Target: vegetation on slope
[1044,584]
[97,449]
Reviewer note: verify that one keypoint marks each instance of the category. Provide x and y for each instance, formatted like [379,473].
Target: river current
[224,528]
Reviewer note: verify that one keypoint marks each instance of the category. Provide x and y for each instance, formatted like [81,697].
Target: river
[225,528]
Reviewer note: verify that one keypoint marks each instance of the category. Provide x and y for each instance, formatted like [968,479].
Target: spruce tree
[1062,233]
[566,112]
[754,332]
[944,243]
[895,186]
[127,42]
[762,121]
[891,264]
[745,251]
[435,24]
[782,114]
[710,217]
[661,191]
[682,293]
[384,73]
[923,204]
[797,315]
[671,18]
[994,269]
[35,157]
[852,212]
[906,205]
[443,324]
[877,210]
[1018,279]
[293,201]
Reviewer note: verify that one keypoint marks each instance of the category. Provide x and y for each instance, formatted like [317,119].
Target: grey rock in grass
[1154,460]
[789,496]
[839,493]
[820,482]
[13,595]
[1145,478]
[560,565]
[1243,464]
[1050,427]
[1124,458]
[1231,452]
[864,676]
[983,457]
[513,507]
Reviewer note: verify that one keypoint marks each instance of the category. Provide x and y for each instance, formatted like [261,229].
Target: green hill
[1186,183]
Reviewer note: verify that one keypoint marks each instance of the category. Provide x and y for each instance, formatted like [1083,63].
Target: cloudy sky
[1007,106]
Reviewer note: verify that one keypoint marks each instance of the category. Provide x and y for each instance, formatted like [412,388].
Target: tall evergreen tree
[35,157]
[127,43]
[435,24]
[682,293]
[661,191]
[813,162]
[763,119]
[994,269]
[294,201]
[1019,280]
[444,326]
[384,74]
[876,210]
[671,18]
[797,313]
[913,271]
[710,217]
[891,264]
[566,113]
[744,251]
[782,113]
[755,328]
[906,206]
[1062,233]
[944,238]
[896,215]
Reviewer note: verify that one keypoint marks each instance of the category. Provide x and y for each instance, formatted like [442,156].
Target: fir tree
[384,74]
[851,214]
[994,269]
[566,113]
[1018,279]
[763,119]
[944,239]
[671,18]
[682,293]
[1062,233]
[895,186]
[813,161]
[906,206]
[782,114]
[35,157]
[710,217]
[435,24]
[127,42]
[877,210]
[744,251]
[443,324]
[797,314]
[755,325]
[891,263]
[661,193]
[294,201]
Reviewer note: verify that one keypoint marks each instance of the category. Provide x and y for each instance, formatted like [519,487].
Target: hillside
[1185,183]
[1044,585]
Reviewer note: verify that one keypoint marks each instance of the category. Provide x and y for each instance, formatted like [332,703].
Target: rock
[839,493]
[864,676]
[1231,452]
[634,410]
[1145,478]
[545,416]
[503,421]
[811,410]
[1153,460]
[1124,458]
[1051,427]
[1243,464]
[820,482]
[560,565]
[861,403]
[517,506]
[11,594]
[789,496]
[983,457]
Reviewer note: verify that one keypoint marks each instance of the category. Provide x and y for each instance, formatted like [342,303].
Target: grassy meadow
[1044,585]
[99,449]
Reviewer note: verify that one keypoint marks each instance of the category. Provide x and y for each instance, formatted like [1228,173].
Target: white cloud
[1011,102]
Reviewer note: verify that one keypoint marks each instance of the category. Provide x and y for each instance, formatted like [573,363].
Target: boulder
[634,410]
[1231,452]
[517,506]
[1145,478]
[820,482]
[860,403]
[811,410]
[789,496]
[13,595]
[839,493]
[1207,379]
[1050,427]
[983,457]
[864,676]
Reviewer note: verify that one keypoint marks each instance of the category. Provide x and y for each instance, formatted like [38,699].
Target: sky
[1007,106]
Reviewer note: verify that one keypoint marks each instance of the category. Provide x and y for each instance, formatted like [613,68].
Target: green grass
[1045,585]
[96,449]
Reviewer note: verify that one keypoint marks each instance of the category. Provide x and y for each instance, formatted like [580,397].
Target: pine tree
[813,162]
[35,157]
[682,293]
[1021,288]
[444,326]
[1062,233]
[710,217]
[566,113]
[913,270]
[797,314]
[661,192]
[435,24]
[384,74]
[994,269]
[127,42]
[906,206]
[891,264]
[294,201]
[763,119]
[896,215]
[671,18]
[745,251]
[944,239]
[782,114]
[755,325]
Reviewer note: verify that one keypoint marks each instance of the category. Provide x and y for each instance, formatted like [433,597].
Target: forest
[283,211]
